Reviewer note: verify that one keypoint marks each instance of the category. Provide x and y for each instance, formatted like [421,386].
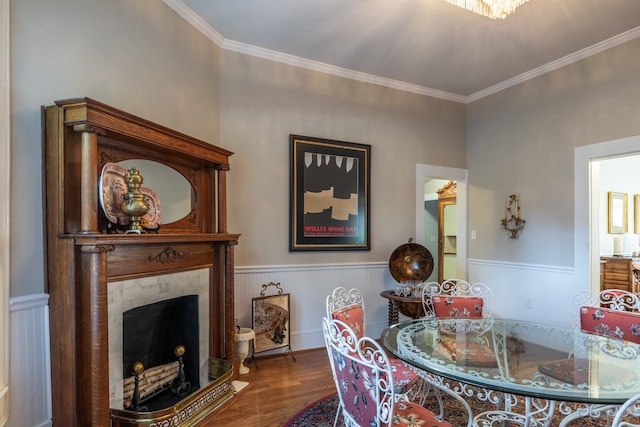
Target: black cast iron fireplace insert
[151,335]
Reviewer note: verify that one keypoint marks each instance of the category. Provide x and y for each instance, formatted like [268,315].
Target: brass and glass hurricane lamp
[134,205]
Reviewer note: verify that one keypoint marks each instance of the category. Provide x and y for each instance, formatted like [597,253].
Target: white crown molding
[194,19]
[339,71]
[559,63]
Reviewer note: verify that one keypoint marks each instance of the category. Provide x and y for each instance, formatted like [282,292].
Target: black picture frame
[329,194]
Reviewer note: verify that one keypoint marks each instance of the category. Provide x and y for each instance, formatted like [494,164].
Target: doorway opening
[423,235]
[586,207]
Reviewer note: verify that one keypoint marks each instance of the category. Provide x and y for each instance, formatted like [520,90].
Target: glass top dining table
[520,357]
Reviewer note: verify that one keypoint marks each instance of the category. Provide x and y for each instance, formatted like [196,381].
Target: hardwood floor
[278,390]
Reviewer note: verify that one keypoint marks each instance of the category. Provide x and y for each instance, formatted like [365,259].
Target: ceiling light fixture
[494,9]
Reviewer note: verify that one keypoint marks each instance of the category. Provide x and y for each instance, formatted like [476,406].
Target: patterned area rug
[322,413]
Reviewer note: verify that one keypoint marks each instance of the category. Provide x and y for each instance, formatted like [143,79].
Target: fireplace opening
[164,338]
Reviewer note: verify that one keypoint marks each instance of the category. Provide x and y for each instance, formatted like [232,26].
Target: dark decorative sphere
[411,263]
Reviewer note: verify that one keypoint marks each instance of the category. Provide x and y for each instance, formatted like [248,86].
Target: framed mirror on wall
[447,232]
[618,212]
[636,210]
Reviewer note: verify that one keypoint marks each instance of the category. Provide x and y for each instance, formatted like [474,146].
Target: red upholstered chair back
[353,316]
[362,375]
[364,379]
[457,306]
[457,298]
[348,307]
[607,322]
[614,299]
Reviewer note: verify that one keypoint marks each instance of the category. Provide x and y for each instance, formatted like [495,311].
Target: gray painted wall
[139,56]
[262,102]
[143,58]
[522,141]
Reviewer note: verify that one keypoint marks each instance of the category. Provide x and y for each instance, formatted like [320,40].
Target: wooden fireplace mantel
[83,255]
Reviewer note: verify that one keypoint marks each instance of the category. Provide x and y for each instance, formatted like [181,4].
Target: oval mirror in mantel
[174,191]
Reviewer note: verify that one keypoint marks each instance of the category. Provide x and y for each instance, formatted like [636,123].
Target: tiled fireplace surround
[127,294]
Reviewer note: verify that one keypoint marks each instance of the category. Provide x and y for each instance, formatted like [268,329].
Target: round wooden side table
[409,306]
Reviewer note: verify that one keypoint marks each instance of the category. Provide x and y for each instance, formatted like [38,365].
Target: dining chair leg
[338,411]
[541,410]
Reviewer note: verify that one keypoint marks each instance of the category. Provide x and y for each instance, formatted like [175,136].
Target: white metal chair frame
[340,338]
[341,298]
[503,418]
[461,288]
[534,407]
[631,408]
[457,287]
[615,299]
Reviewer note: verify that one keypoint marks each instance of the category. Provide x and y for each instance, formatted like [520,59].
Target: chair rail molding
[526,291]
[309,285]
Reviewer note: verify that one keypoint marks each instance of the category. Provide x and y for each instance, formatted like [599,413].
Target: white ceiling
[425,46]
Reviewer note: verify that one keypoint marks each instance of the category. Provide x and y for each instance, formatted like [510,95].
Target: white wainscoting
[527,291]
[30,364]
[546,289]
[309,286]
[521,291]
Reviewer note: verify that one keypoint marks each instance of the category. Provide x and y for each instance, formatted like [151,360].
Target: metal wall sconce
[512,221]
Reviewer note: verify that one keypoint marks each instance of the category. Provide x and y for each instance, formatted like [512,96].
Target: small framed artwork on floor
[270,314]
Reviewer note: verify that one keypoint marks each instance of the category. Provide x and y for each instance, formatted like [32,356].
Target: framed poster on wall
[329,195]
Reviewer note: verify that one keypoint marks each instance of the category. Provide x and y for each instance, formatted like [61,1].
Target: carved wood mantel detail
[80,135]
[168,255]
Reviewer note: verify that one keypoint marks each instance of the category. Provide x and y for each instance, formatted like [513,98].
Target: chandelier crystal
[494,9]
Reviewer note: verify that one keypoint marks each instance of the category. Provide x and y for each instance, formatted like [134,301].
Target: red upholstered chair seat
[467,353]
[404,378]
[413,415]
[576,371]
[602,321]
[572,370]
